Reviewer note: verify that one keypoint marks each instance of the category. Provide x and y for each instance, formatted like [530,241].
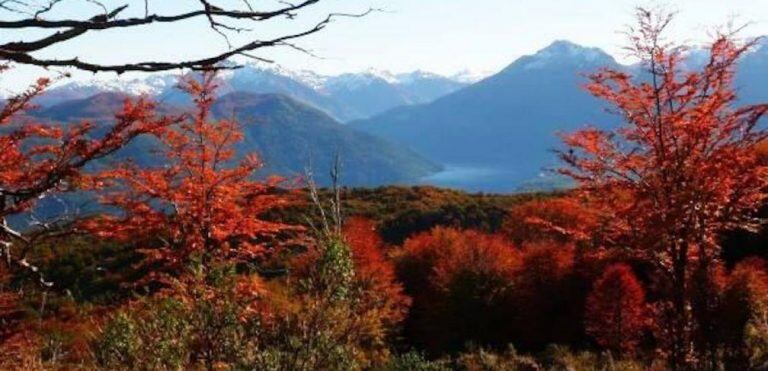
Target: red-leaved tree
[616,311]
[382,304]
[201,206]
[680,167]
[453,275]
[561,219]
[38,160]
[375,272]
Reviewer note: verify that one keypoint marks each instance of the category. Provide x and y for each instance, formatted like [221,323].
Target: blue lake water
[490,179]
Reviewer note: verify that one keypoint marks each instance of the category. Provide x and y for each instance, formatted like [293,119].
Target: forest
[654,258]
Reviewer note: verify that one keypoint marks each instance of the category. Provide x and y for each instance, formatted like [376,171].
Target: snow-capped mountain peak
[410,77]
[564,52]
[468,76]
[151,85]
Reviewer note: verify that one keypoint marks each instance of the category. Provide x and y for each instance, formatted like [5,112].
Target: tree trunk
[680,320]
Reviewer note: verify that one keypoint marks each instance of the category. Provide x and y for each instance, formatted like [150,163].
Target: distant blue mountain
[373,93]
[494,135]
[752,78]
[499,134]
[288,135]
[506,123]
[345,97]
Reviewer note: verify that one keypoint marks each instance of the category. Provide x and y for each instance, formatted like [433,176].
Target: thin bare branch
[220,21]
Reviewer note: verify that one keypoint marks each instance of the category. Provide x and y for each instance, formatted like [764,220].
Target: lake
[487,179]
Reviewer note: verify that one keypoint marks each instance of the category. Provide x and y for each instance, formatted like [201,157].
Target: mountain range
[288,135]
[496,134]
[344,97]
[506,124]
[499,134]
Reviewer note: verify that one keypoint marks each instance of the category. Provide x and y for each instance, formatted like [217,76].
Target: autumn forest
[196,252]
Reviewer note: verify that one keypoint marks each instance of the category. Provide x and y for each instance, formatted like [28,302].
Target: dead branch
[220,20]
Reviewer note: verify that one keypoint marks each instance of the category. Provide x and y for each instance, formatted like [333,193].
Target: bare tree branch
[221,21]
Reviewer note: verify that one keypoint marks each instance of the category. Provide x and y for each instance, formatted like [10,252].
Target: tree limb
[21,51]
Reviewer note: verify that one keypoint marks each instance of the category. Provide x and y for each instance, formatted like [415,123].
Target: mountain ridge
[508,123]
[287,134]
[376,91]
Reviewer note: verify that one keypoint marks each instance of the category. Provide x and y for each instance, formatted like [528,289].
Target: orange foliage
[199,205]
[12,341]
[375,272]
[745,295]
[616,310]
[680,168]
[62,337]
[37,159]
[41,158]
[453,276]
[563,219]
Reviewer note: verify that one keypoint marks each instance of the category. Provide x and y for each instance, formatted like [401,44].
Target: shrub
[341,308]
[155,337]
[414,361]
[482,360]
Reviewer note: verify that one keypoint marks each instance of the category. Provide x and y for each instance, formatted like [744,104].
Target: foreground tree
[39,159]
[201,207]
[681,167]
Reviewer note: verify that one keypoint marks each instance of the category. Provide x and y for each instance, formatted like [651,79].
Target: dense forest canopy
[655,259]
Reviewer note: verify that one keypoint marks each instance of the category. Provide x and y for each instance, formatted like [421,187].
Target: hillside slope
[287,134]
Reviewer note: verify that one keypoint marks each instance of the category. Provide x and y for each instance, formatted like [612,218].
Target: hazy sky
[443,36]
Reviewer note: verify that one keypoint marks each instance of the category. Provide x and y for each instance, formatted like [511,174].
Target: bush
[482,360]
[156,337]
[119,344]
[548,300]
[414,361]
[558,357]
[341,308]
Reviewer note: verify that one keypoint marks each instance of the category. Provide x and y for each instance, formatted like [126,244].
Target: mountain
[423,87]
[99,107]
[345,97]
[151,85]
[752,77]
[279,81]
[490,133]
[468,76]
[288,135]
[507,123]
[372,93]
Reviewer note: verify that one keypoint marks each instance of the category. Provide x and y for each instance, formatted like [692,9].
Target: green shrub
[414,361]
[119,344]
[489,361]
[157,337]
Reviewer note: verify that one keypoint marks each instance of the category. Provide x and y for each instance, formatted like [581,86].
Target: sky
[441,36]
